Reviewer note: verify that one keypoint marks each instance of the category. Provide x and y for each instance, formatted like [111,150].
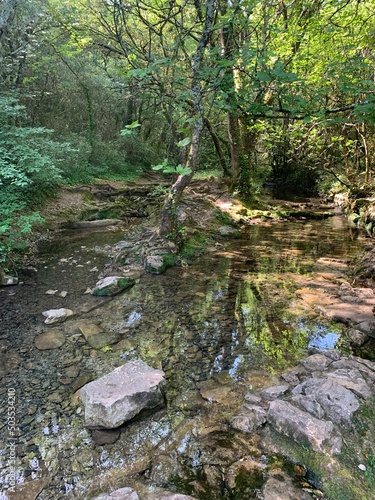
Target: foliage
[27,174]
[169,169]
[286,93]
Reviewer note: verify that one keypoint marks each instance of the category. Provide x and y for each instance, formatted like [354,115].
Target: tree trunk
[169,219]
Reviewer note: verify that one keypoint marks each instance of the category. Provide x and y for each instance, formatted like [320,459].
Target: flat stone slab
[52,339]
[120,395]
[303,428]
[338,403]
[96,336]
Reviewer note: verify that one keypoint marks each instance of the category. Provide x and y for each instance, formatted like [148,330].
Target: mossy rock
[353,219]
[112,285]
[157,264]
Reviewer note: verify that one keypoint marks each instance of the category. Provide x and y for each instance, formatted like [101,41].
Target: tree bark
[169,218]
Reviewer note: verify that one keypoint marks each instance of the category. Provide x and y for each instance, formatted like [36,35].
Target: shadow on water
[218,328]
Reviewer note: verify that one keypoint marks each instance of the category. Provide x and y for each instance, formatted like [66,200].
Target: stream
[218,327]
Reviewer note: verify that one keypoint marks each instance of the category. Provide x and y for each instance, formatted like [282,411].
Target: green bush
[27,174]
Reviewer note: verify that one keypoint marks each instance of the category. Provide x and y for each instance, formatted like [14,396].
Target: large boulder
[122,394]
[112,285]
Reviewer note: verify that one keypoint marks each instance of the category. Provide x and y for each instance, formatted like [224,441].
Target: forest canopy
[278,92]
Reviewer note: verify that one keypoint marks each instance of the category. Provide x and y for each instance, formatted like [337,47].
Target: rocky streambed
[266,394]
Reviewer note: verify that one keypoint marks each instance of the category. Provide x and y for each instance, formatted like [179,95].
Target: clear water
[221,326]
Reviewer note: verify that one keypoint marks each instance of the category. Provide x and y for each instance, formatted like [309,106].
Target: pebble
[362,467]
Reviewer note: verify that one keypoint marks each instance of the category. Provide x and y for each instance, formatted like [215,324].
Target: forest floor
[202,201]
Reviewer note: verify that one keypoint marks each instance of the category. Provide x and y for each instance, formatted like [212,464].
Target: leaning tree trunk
[169,219]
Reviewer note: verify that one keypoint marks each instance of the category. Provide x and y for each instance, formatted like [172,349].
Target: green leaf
[125,131]
[184,142]
[183,170]
[263,77]
[133,125]
[141,73]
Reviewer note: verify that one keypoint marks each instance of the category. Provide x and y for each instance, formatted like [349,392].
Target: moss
[169,260]
[247,483]
[225,218]
[122,284]
[194,246]
[340,477]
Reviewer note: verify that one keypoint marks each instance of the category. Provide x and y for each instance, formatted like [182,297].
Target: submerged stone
[112,285]
[280,487]
[52,339]
[97,337]
[122,394]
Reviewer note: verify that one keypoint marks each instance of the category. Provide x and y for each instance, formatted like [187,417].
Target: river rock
[120,395]
[357,337]
[367,327]
[280,487]
[228,231]
[274,392]
[166,495]
[121,494]
[105,436]
[249,419]
[29,490]
[112,285]
[57,315]
[303,428]
[351,379]
[96,336]
[52,339]
[337,402]
[155,264]
[316,362]
[6,280]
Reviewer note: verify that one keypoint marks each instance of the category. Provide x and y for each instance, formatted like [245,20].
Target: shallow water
[218,328]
